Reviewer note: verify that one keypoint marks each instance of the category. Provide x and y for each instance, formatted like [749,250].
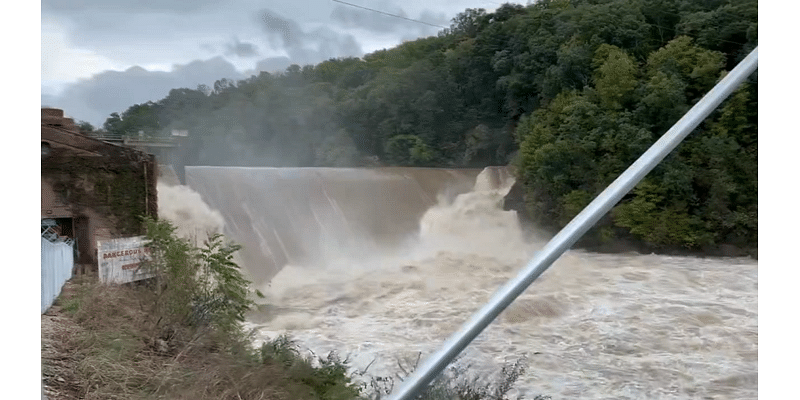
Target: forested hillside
[569,91]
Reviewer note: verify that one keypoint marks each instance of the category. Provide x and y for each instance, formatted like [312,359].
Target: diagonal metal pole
[434,365]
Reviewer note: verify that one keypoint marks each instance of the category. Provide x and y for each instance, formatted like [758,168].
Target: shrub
[198,291]
[455,383]
[328,379]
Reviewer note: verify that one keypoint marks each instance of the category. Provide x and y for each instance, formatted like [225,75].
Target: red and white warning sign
[120,260]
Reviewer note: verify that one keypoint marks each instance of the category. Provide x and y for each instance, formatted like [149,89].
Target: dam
[305,216]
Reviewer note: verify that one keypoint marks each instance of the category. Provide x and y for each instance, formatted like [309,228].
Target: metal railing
[437,362]
[135,140]
[49,233]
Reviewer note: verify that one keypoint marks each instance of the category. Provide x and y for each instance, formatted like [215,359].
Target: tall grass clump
[457,382]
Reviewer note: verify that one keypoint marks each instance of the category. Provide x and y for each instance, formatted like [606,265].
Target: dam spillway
[304,216]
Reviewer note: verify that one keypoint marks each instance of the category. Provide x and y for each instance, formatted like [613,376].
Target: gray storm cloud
[310,46]
[94,99]
[241,49]
[351,17]
[282,32]
[208,47]
[178,6]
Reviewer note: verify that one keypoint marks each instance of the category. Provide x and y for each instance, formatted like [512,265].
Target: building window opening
[58,229]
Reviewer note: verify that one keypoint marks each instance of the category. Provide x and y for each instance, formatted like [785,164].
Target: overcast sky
[102,56]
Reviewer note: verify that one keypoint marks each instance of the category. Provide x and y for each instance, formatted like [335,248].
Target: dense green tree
[615,78]
[731,28]
[137,119]
[408,150]
[85,127]
[698,67]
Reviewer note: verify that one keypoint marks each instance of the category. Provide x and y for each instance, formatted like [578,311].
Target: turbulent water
[593,326]
[313,216]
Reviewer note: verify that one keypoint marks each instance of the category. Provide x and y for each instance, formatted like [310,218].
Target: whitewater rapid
[596,326]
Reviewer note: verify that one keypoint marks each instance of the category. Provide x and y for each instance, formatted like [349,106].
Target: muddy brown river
[594,326]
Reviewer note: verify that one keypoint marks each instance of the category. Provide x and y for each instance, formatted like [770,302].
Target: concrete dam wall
[308,216]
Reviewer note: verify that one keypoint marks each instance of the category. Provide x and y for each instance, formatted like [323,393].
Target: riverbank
[98,343]
[58,362]
[622,243]
[180,335]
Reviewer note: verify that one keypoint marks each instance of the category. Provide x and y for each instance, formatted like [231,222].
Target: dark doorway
[64,227]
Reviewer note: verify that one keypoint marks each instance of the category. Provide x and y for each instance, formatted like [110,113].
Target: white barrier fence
[57,262]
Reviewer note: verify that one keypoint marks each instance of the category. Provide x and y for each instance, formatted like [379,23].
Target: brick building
[93,190]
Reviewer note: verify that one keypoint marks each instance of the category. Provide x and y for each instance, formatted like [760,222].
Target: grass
[457,382]
[119,352]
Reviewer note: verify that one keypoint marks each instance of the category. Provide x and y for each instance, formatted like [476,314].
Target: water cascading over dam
[312,216]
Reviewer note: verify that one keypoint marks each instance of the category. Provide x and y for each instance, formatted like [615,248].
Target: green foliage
[649,217]
[724,28]
[663,101]
[469,22]
[458,382]
[408,150]
[328,380]
[224,295]
[85,127]
[698,67]
[573,203]
[138,118]
[615,77]
[704,193]
[108,182]
[198,288]
[281,350]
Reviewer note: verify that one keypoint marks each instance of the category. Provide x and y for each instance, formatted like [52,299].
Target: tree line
[571,92]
